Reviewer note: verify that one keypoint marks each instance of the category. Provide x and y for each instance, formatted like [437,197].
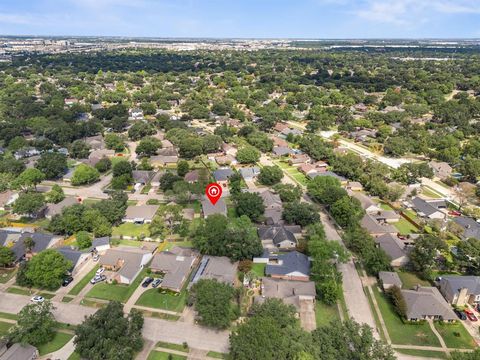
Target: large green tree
[249,204]
[52,164]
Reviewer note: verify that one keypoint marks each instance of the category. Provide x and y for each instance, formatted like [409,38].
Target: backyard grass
[217,355]
[153,298]
[423,353]
[386,207]
[131,229]
[4,327]
[404,227]
[293,172]
[127,242]
[116,292]
[409,280]
[171,346]
[6,274]
[59,341]
[82,283]
[324,314]
[259,269]
[9,316]
[19,291]
[428,192]
[455,336]
[160,355]
[400,333]
[172,244]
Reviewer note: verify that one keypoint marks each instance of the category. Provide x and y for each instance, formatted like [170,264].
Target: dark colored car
[67,281]
[461,315]
[147,282]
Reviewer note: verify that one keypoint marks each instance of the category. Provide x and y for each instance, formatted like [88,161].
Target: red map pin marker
[213,192]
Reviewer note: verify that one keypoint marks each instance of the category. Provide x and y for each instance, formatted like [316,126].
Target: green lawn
[400,333]
[217,355]
[74,356]
[428,192]
[134,243]
[67,299]
[292,171]
[82,283]
[4,327]
[19,291]
[172,244]
[259,269]
[131,229]
[9,316]
[375,315]
[385,206]
[160,355]
[409,280]
[455,336]
[404,227]
[46,295]
[168,301]
[116,292]
[57,343]
[324,314]
[171,346]
[423,353]
[6,274]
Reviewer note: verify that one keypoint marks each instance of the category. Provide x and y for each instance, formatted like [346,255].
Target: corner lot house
[427,303]
[460,290]
[290,266]
[125,263]
[219,268]
[140,214]
[176,265]
[389,279]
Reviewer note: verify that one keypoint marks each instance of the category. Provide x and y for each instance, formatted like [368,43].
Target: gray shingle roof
[146,212]
[288,263]
[219,268]
[282,150]
[101,241]
[176,265]
[427,301]
[392,246]
[209,209]
[390,277]
[374,227]
[222,174]
[471,228]
[424,207]
[288,291]
[279,233]
[455,283]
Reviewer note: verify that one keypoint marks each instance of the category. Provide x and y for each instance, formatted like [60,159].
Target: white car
[96,257]
[37,299]
[100,271]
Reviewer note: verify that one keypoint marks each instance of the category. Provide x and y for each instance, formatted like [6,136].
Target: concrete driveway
[307,315]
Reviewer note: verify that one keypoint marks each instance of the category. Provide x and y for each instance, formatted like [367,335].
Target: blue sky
[244,18]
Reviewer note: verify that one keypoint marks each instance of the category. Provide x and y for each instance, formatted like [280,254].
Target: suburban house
[426,302]
[135,114]
[163,160]
[7,198]
[279,127]
[142,177]
[389,279]
[95,142]
[166,144]
[354,186]
[222,175]
[56,209]
[282,151]
[366,202]
[97,155]
[249,173]
[279,141]
[15,241]
[224,160]
[289,266]
[394,248]
[229,149]
[340,178]
[279,236]
[471,228]
[432,209]
[441,169]
[76,257]
[273,205]
[297,159]
[219,268]
[175,265]
[156,178]
[125,263]
[168,151]
[311,170]
[140,214]
[101,244]
[208,208]
[376,228]
[18,351]
[385,216]
[460,290]
[192,176]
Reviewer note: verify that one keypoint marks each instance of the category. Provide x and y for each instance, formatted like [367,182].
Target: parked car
[461,315]
[454,213]
[156,282]
[100,271]
[147,282]
[96,257]
[470,315]
[67,281]
[37,299]
[98,278]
